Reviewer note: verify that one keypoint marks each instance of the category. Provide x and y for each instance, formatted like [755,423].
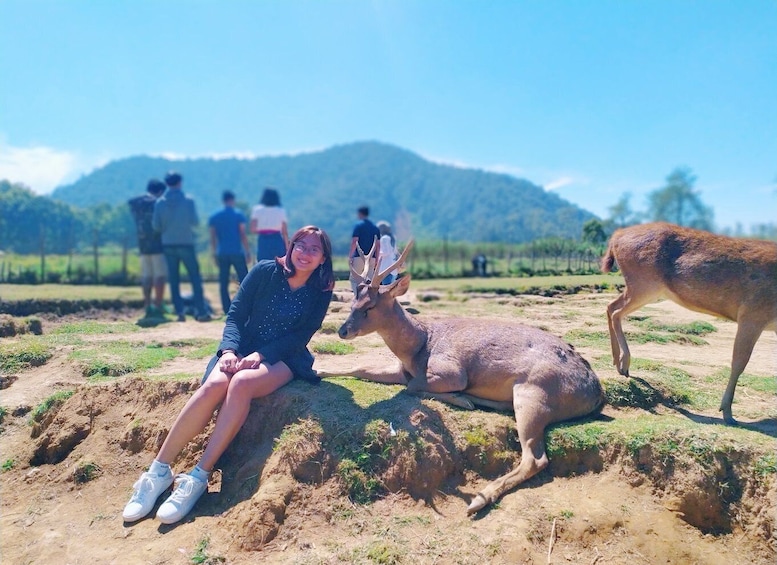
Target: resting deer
[471,362]
[732,278]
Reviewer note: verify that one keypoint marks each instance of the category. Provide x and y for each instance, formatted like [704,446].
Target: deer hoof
[478,503]
[729,419]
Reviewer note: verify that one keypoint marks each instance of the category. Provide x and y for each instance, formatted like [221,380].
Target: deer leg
[393,374]
[443,381]
[627,302]
[452,398]
[747,335]
[531,418]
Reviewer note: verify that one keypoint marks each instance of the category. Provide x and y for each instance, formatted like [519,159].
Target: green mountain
[420,198]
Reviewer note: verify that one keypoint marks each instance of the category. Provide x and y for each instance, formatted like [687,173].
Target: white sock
[200,474]
[159,468]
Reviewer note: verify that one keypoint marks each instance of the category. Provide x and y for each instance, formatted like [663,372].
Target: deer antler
[364,275]
[379,276]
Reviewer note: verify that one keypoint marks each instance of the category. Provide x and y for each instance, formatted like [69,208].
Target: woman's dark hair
[270,197]
[323,277]
[385,229]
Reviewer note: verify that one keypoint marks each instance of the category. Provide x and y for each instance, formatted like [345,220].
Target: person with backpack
[153,267]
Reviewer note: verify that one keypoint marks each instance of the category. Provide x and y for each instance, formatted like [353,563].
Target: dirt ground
[259,508]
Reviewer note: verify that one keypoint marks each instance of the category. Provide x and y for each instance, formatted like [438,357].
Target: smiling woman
[281,303]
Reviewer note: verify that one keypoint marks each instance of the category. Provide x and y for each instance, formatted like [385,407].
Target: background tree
[29,219]
[593,232]
[621,214]
[679,203]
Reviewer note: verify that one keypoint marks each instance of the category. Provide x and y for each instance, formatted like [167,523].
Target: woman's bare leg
[244,386]
[195,415]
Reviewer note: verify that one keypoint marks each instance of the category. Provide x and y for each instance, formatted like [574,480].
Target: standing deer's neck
[403,334]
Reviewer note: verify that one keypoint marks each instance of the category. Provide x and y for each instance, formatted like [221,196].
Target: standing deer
[732,278]
[471,362]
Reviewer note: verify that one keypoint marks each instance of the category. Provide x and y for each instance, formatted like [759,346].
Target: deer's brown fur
[477,362]
[732,278]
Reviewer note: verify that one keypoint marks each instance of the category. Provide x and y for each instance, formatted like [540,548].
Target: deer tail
[608,260]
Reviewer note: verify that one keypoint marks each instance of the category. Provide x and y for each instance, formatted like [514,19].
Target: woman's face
[307,254]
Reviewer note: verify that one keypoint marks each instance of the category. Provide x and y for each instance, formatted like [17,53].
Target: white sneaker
[147,489]
[187,492]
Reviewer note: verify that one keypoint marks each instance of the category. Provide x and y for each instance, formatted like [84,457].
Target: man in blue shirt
[365,235]
[175,217]
[229,245]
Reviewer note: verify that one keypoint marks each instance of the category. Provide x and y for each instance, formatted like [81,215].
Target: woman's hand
[228,362]
[250,361]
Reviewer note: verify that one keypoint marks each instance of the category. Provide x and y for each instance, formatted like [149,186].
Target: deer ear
[400,286]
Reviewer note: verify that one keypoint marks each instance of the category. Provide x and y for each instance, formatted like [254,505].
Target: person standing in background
[388,251]
[229,245]
[268,221]
[153,269]
[175,217]
[365,234]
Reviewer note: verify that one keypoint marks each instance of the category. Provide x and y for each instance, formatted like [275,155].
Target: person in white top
[268,222]
[388,251]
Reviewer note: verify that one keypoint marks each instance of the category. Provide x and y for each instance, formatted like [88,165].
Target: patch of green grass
[116,358]
[8,464]
[16,292]
[675,385]
[3,412]
[766,465]
[85,471]
[588,338]
[53,401]
[663,338]
[364,456]
[297,434]
[665,440]
[411,520]
[655,333]
[12,325]
[94,327]
[361,487]
[328,328]
[175,376]
[195,348]
[19,355]
[692,328]
[767,385]
[192,342]
[201,555]
[630,392]
[575,437]
[384,553]
[333,348]
[483,443]
[668,446]
[366,393]
[478,436]
[761,384]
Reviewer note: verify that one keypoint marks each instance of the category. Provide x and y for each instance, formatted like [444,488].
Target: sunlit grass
[52,401]
[94,327]
[113,359]
[23,353]
[333,348]
[767,385]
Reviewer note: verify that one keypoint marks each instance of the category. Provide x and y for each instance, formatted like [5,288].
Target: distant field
[16,292]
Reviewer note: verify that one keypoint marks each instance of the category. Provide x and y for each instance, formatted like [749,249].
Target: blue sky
[591,99]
